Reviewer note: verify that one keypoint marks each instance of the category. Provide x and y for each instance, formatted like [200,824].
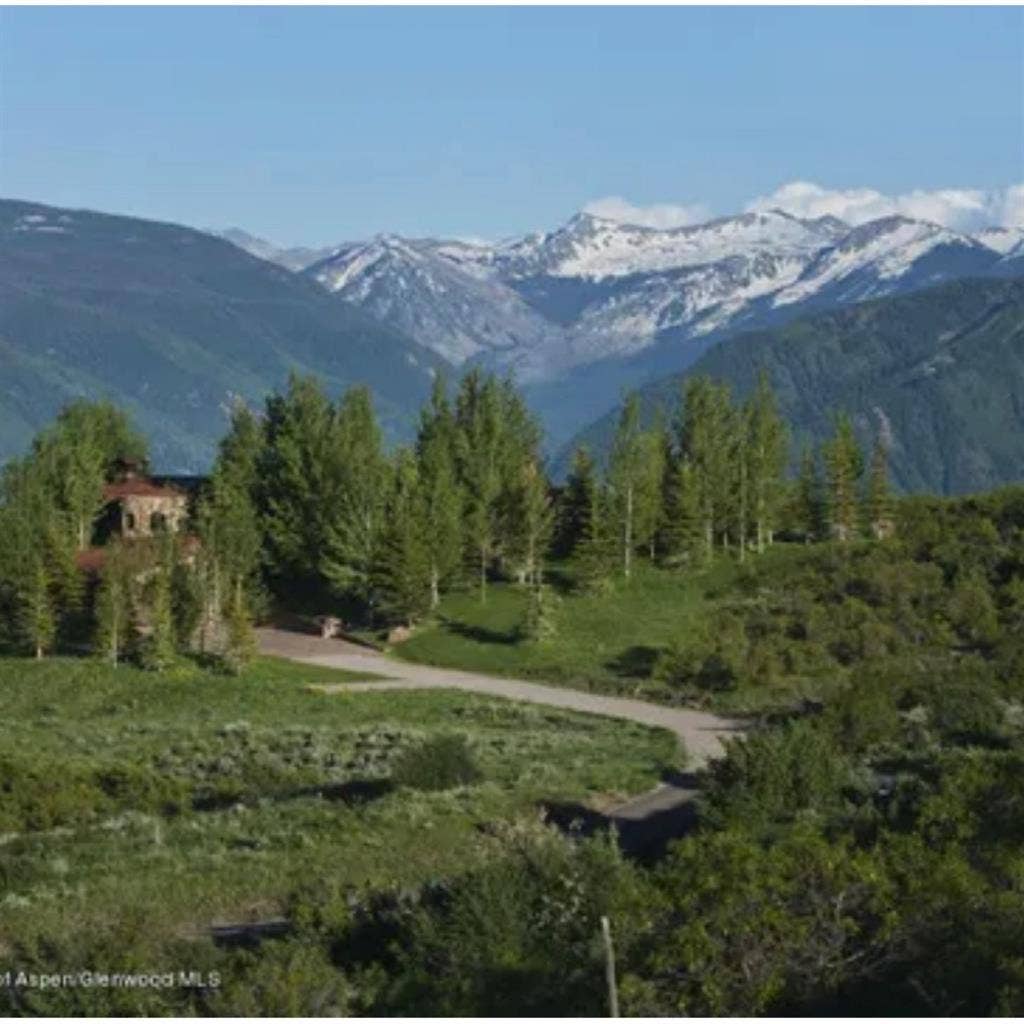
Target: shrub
[40,796]
[439,762]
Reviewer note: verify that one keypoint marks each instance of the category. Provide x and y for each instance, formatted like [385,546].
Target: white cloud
[963,209]
[659,215]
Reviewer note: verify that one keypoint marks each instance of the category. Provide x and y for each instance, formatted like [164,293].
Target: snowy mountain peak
[595,288]
[1002,240]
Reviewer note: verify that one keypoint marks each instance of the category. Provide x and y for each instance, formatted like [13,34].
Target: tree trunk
[483,575]
[743,511]
[435,592]
[628,532]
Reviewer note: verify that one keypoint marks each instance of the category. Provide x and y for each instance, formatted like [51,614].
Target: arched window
[129,520]
[158,522]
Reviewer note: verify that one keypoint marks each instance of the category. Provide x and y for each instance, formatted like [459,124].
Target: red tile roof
[91,559]
[142,488]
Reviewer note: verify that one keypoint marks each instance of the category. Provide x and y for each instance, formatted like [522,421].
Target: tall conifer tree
[706,440]
[442,499]
[481,452]
[402,572]
[626,476]
[354,526]
[576,503]
[808,501]
[844,464]
[766,451]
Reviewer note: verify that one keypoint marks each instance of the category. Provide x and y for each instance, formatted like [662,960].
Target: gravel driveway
[702,733]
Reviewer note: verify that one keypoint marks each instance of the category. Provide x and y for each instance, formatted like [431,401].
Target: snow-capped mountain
[597,304]
[596,248]
[421,286]
[887,255]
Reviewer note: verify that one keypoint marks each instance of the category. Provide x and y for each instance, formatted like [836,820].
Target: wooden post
[609,968]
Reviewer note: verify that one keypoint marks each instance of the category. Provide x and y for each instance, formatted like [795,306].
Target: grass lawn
[136,808]
[607,639]
[608,643]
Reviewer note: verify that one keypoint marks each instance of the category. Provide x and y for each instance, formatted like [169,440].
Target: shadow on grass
[481,634]
[560,580]
[353,792]
[636,662]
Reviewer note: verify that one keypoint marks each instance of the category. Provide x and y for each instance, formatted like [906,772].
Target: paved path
[702,733]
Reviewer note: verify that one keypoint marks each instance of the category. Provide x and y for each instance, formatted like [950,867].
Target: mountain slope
[173,324]
[941,371]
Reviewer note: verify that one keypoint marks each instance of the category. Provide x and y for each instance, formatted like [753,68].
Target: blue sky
[310,125]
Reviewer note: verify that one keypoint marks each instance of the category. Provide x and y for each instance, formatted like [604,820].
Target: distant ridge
[941,371]
[173,324]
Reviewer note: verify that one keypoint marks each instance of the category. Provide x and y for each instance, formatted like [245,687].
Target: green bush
[440,762]
[35,796]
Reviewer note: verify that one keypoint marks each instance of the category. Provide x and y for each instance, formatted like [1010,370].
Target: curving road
[701,732]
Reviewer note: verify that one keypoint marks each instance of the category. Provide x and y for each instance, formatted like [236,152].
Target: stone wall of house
[145,514]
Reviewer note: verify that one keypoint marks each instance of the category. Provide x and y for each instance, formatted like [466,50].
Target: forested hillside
[172,324]
[940,373]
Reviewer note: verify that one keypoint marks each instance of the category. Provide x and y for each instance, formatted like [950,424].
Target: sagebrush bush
[39,795]
[439,762]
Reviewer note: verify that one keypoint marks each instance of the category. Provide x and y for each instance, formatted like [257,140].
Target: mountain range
[596,305]
[176,323]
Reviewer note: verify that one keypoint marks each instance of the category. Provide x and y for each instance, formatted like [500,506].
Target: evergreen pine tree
[480,451]
[442,499]
[353,528]
[598,553]
[539,625]
[766,451]
[706,441]
[239,637]
[625,476]
[808,504]
[402,573]
[299,483]
[656,452]
[843,466]
[529,521]
[688,513]
[576,504]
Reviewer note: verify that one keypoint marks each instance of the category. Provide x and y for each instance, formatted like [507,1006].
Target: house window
[158,522]
[129,520]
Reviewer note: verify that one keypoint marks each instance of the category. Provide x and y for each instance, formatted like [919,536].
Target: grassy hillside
[942,370]
[607,642]
[139,809]
[785,626]
[172,324]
